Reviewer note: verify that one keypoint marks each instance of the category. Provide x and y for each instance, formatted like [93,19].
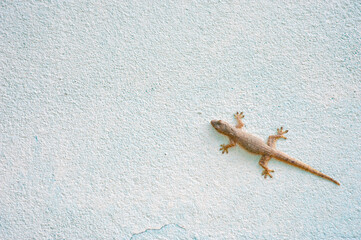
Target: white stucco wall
[105,110]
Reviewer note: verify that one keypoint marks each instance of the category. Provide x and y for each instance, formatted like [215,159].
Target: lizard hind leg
[263,162]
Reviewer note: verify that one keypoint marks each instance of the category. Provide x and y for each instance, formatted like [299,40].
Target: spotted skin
[255,145]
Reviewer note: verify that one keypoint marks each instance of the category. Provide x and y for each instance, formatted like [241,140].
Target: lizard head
[221,126]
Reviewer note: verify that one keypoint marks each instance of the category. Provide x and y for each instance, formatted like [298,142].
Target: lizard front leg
[224,148]
[239,117]
[263,162]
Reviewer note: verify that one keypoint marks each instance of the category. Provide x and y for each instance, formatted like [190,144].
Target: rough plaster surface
[105,110]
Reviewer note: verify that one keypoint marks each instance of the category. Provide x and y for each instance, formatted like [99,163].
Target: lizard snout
[215,123]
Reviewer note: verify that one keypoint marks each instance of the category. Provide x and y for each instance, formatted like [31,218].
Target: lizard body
[254,144]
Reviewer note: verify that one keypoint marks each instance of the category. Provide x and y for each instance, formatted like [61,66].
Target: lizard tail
[292,161]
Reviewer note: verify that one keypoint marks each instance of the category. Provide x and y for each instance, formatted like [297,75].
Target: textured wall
[105,110]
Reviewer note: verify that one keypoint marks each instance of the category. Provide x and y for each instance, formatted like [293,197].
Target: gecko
[255,145]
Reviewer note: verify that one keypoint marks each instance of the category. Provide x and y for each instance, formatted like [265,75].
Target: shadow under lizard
[255,145]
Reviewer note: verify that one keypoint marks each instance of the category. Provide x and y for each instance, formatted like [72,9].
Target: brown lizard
[255,145]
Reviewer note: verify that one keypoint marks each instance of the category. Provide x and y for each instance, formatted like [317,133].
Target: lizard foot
[280,133]
[266,173]
[239,115]
[224,148]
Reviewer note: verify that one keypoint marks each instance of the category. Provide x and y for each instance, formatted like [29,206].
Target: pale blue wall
[105,110]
